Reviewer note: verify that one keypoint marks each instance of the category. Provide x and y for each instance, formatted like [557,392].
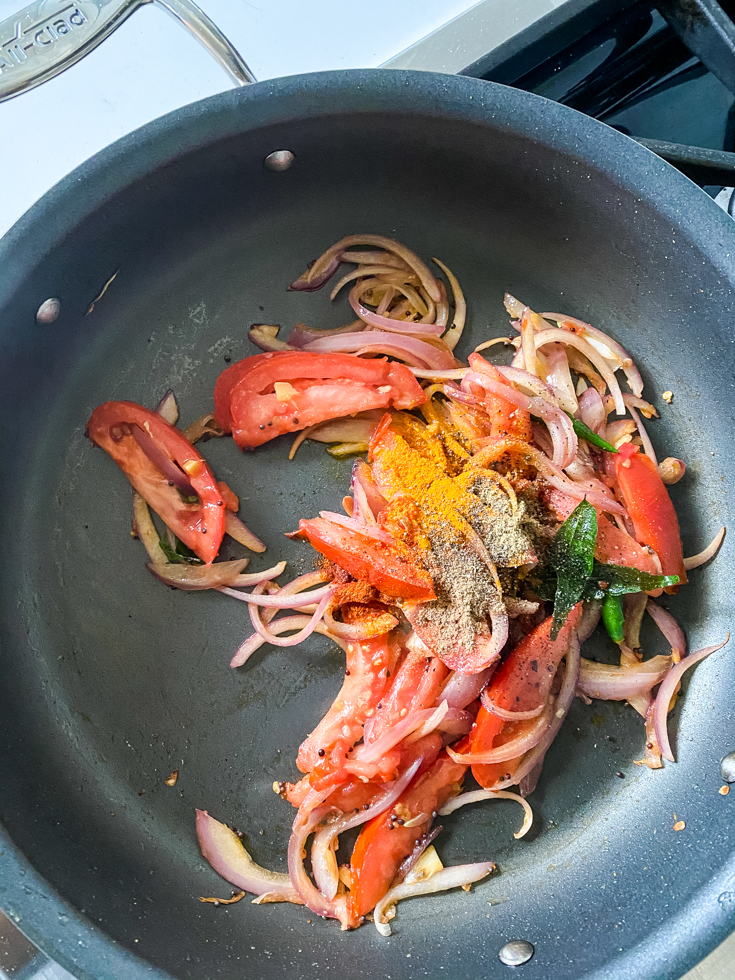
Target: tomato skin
[200,526]
[417,684]
[650,509]
[370,663]
[521,683]
[382,845]
[506,420]
[325,386]
[390,568]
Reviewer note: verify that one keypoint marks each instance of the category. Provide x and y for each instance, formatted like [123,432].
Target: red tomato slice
[369,665]
[390,568]
[199,525]
[383,844]
[417,684]
[521,683]
[311,388]
[650,509]
[506,420]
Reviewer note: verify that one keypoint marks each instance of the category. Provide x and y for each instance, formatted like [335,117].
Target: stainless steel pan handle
[49,36]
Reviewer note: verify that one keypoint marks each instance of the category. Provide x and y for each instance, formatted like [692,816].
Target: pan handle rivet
[48,311]
[516,952]
[727,767]
[279,160]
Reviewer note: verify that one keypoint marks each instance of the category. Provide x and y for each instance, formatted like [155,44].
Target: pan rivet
[516,952]
[279,160]
[48,311]
[727,768]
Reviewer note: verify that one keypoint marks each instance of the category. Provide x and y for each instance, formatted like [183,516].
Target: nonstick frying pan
[110,681]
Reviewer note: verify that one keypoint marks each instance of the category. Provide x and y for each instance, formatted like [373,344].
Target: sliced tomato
[271,394]
[231,499]
[417,684]
[200,524]
[521,683]
[650,509]
[370,663]
[389,567]
[506,420]
[383,843]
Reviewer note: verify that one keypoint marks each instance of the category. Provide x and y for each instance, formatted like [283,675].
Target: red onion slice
[456,877]
[451,337]
[506,715]
[322,865]
[287,641]
[284,625]
[616,352]
[462,689]
[416,352]
[709,552]
[282,600]
[302,829]
[368,530]
[196,578]
[584,347]
[255,578]
[388,323]
[670,629]
[671,470]
[559,377]
[265,336]
[647,444]
[474,796]
[242,534]
[609,683]
[592,410]
[144,527]
[168,409]
[165,466]
[225,852]
[363,272]
[311,280]
[374,751]
[382,623]
[666,691]
[511,750]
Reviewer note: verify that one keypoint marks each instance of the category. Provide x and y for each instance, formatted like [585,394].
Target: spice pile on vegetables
[498,515]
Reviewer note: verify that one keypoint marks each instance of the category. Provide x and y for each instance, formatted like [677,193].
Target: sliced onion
[452,374]
[560,378]
[302,828]
[368,530]
[301,335]
[373,258]
[561,428]
[506,715]
[647,444]
[519,607]
[144,527]
[225,852]
[666,691]
[255,578]
[609,683]
[374,751]
[709,552]
[416,352]
[615,351]
[462,688]
[167,408]
[388,323]
[592,410]
[265,336]
[514,306]
[282,600]
[451,337]
[377,625]
[456,877]
[320,273]
[369,501]
[324,839]
[670,629]
[491,794]
[355,429]
[510,750]
[204,426]
[284,625]
[270,636]
[363,272]
[574,340]
[242,534]
[195,578]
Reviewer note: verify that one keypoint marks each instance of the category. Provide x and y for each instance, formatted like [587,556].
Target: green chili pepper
[612,617]
[584,432]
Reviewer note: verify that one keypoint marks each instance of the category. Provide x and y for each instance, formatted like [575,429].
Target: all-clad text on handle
[48,36]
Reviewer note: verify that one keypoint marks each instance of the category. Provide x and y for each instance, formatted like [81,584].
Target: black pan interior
[110,681]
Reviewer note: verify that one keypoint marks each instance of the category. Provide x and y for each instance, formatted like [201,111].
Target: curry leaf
[179,554]
[572,557]
[618,580]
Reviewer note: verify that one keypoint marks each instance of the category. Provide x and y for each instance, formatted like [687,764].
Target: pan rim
[79,945]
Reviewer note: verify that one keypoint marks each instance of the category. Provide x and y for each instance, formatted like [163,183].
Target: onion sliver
[617,352]
[242,534]
[225,852]
[645,439]
[456,877]
[303,826]
[506,715]
[574,340]
[665,692]
[362,272]
[609,683]
[374,751]
[388,323]
[281,600]
[278,626]
[369,530]
[462,688]
[670,629]
[475,796]
[255,578]
[167,408]
[163,464]
[287,641]
[417,352]
[144,527]
[510,750]
[709,552]
[323,840]
[451,337]
[194,578]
